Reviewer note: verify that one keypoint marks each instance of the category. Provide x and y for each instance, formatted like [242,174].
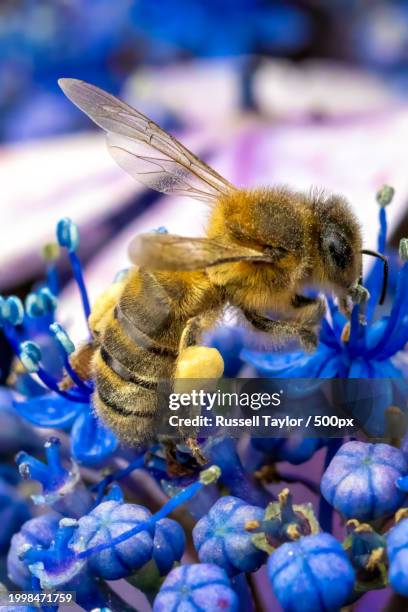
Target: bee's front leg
[288,330]
[308,310]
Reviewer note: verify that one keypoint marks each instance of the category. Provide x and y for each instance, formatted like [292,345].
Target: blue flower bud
[221,538]
[109,520]
[68,234]
[30,356]
[161,230]
[12,310]
[397,549]
[312,573]
[62,337]
[201,587]
[360,480]
[168,544]
[39,531]
[62,489]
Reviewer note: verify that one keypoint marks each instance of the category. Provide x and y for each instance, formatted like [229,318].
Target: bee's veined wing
[167,252]
[143,149]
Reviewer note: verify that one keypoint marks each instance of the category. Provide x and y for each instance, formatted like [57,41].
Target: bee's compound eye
[338,249]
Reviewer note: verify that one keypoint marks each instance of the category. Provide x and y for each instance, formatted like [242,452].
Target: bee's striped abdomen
[131,362]
[139,347]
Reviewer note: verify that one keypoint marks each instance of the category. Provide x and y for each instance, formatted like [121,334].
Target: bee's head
[338,257]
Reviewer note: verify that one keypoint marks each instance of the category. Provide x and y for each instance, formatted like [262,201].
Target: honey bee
[262,246]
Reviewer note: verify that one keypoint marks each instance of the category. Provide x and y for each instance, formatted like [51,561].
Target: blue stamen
[31,468]
[376,287]
[52,384]
[136,464]
[41,303]
[53,455]
[50,254]
[11,311]
[52,278]
[355,331]
[398,307]
[59,551]
[68,237]
[66,348]
[79,278]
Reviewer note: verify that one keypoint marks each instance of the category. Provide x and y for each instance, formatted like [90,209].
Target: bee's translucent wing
[143,149]
[167,252]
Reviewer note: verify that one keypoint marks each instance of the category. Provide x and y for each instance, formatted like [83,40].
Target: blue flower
[201,587]
[62,489]
[283,521]
[312,573]
[220,537]
[13,513]
[397,549]
[360,480]
[39,531]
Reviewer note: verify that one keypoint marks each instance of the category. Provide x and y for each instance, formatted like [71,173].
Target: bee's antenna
[385,271]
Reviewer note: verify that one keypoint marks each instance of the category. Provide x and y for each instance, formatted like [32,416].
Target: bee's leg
[308,310]
[283,329]
[198,361]
[196,366]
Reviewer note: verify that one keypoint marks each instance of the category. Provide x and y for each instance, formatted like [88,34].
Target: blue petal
[50,410]
[375,332]
[91,441]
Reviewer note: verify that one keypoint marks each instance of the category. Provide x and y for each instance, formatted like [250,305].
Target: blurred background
[302,92]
